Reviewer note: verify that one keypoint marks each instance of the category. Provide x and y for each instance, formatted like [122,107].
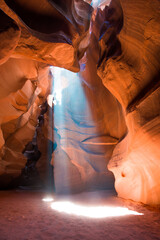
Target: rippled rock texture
[24,87]
[133,78]
[33,36]
[50,30]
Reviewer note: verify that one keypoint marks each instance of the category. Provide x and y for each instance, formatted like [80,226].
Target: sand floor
[24,216]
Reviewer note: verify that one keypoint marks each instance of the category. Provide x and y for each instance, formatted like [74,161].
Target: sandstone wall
[33,36]
[24,87]
[133,78]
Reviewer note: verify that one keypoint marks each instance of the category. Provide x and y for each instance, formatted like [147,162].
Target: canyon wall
[133,78]
[34,35]
[24,87]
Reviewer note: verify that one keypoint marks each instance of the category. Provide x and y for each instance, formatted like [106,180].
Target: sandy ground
[24,216]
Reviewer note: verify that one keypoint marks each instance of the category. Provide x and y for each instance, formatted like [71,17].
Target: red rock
[9,36]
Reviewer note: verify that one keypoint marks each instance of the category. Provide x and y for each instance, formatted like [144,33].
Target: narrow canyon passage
[79,119]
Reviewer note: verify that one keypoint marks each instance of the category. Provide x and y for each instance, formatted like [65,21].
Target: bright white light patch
[50,100]
[92,212]
[47,199]
[60,79]
[99,3]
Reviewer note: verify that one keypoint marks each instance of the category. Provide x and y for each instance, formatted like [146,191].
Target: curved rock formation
[133,78]
[39,33]
[30,42]
[19,110]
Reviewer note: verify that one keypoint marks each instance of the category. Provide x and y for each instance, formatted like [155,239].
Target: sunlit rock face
[133,78]
[50,30]
[24,86]
[33,36]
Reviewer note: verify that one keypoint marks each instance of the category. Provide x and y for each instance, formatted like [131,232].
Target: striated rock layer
[33,36]
[40,39]
[19,110]
[133,78]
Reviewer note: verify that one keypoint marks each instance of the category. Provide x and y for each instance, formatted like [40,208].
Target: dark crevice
[111,26]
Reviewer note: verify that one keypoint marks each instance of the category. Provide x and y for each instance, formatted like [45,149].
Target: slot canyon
[79,119]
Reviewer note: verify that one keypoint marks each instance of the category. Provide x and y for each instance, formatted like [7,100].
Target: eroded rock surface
[41,40]
[133,78]
[19,110]
[33,36]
